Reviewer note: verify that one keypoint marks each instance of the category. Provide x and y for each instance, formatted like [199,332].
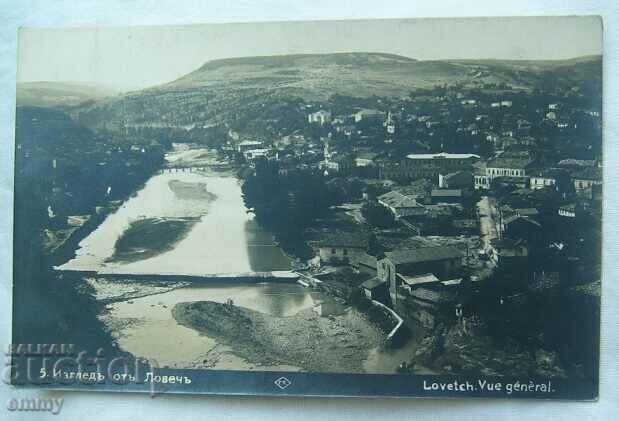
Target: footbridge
[242,277]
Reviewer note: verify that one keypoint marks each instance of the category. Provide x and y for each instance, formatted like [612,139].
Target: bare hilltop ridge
[61,94]
[366,73]
[233,88]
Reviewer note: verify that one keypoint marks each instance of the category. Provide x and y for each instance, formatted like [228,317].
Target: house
[563,123]
[510,182]
[401,205]
[425,299]
[575,209]
[568,210]
[414,280]
[365,263]
[253,154]
[492,137]
[465,226]
[376,289]
[447,195]
[247,145]
[428,304]
[416,166]
[550,178]
[576,164]
[507,211]
[442,262]
[456,180]
[517,226]
[369,115]
[472,129]
[523,141]
[510,166]
[296,140]
[509,252]
[340,164]
[342,247]
[365,159]
[585,179]
[440,212]
[480,179]
[320,117]
[433,164]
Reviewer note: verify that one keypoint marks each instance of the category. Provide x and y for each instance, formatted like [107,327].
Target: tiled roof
[505,243]
[398,200]
[442,155]
[366,260]
[426,278]
[446,193]
[523,218]
[372,283]
[426,254]
[369,112]
[344,239]
[548,173]
[526,211]
[509,162]
[577,162]
[457,174]
[590,173]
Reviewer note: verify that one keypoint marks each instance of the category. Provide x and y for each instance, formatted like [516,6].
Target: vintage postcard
[338,208]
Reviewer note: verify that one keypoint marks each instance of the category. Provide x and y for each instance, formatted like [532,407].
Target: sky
[135,57]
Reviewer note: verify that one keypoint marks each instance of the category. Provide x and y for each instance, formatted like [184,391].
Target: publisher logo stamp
[282,382]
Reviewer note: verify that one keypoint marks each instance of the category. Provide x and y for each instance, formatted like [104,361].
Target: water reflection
[145,326]
[262,250]
[225,240]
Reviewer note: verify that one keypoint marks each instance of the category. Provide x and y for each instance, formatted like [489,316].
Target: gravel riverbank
[332,343]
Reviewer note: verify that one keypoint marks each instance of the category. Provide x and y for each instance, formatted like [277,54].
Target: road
[488,220]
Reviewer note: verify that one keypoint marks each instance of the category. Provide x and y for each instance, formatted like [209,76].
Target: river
[145,326]
[224,239]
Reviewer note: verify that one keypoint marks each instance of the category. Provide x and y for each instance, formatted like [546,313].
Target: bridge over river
[181,169]
[190,168]
[243,277]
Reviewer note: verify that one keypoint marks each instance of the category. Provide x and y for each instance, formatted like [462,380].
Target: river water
[225,240]
[145,326]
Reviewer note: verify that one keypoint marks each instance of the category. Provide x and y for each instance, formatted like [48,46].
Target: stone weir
[245,277]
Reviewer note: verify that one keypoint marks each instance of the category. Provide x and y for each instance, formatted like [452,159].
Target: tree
[287,205]
[377,215]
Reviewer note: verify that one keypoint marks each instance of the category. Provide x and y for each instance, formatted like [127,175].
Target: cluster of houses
[437,194]
[419,283]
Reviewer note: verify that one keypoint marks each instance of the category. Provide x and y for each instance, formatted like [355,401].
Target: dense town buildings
[451,196]
[415,166]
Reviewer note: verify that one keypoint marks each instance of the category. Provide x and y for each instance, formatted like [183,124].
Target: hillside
[225,89]
[59,94]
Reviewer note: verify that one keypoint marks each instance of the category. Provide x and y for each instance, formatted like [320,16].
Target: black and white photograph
[387,207]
